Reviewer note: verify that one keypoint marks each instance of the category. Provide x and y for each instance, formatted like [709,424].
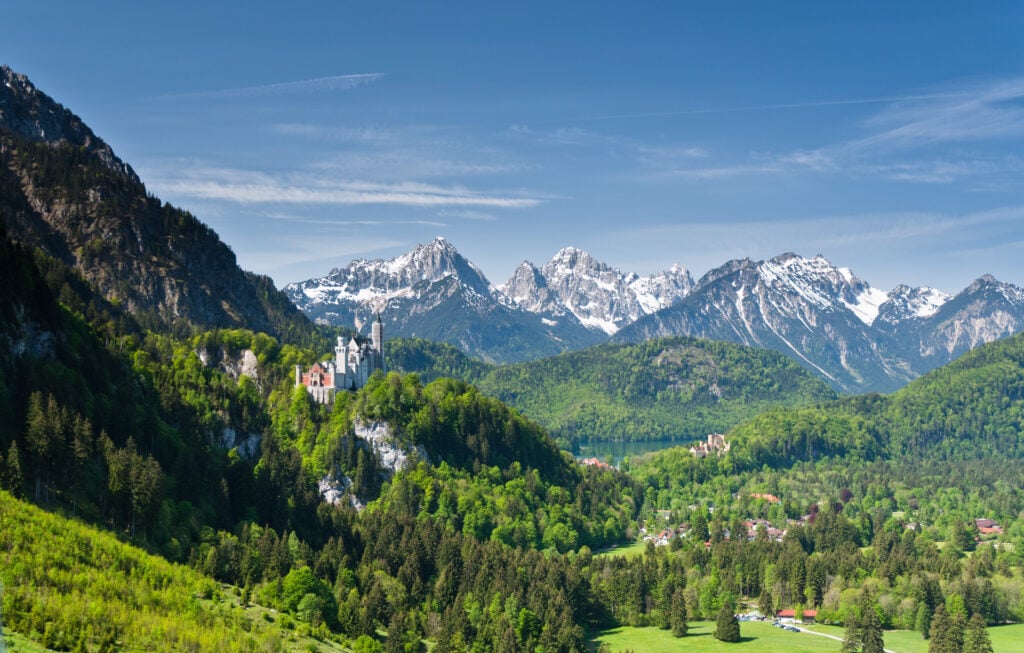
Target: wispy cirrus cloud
[812,104]
[247,187]
[343,134]
[317,85]
[979,112]
[898,135]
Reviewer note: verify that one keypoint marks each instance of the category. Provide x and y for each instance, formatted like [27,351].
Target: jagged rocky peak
[378,280]
[990,285]
[905,303]
[724,270]
[28,113]
[572,258]
[601,297]
[528,289]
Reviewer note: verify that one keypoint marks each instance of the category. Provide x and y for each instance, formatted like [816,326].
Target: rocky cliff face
[809,309]
[62,189]
[984,311]
[599,296]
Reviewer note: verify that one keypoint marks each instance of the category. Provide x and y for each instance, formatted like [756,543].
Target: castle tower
[341,365]
[377,336]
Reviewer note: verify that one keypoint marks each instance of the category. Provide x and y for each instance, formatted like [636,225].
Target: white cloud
[318,85]
[975,113]
[246,187]
[367,134]
[980,112]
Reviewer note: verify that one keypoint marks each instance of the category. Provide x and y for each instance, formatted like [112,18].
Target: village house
[790,615]
[988,527]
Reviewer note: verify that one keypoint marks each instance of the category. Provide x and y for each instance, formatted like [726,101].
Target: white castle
[350,370]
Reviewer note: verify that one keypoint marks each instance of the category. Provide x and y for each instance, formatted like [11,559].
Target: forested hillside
[664,388]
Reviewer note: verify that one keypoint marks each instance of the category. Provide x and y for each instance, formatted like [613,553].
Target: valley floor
[762,636]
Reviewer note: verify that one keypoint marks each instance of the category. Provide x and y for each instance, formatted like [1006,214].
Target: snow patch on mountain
[376,282]
[867,304]
[599,296]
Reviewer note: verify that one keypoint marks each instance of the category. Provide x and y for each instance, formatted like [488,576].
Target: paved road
[838,639]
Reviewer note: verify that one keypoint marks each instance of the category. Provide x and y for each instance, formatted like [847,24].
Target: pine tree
[727,627]
[870,629]
[976,638]
[677,620]
[12,478]
[956,629]
[765,604]
[923,621]
[944,635]
[851,637]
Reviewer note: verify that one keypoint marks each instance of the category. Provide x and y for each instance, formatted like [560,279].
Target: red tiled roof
[792,613]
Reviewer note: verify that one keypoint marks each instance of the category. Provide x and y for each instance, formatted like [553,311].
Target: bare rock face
[984,311]
[31,114]
[599,296]
[63,190]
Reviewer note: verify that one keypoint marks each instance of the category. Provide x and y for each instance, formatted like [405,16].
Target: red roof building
[809,615]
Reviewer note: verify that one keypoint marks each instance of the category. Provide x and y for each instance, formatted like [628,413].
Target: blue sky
[888,138]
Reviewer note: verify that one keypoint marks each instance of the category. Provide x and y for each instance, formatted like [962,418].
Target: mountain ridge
[857,337]
[67,193]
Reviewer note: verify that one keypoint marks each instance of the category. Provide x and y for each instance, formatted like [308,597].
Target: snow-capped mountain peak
[375,282]
[599,296]
[904,303]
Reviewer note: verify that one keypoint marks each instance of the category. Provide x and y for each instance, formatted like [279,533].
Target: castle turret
[377,335]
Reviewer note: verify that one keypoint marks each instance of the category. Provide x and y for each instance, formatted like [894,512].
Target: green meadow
[757,636]
[762,636]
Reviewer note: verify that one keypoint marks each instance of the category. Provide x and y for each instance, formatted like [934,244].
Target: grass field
[18,644]
[626,550]
[1005,639]
[762,636]
[757,636]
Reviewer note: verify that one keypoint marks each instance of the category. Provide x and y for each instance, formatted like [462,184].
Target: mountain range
[109,247]
[856,337]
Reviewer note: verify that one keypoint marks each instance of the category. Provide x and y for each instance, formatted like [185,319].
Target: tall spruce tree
[677,620]
[945,637]
[976,638]
[765,603]
[727,627]
[12,478]
[870,628]
[924,620]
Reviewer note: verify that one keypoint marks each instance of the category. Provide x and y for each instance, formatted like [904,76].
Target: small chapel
[351,368]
